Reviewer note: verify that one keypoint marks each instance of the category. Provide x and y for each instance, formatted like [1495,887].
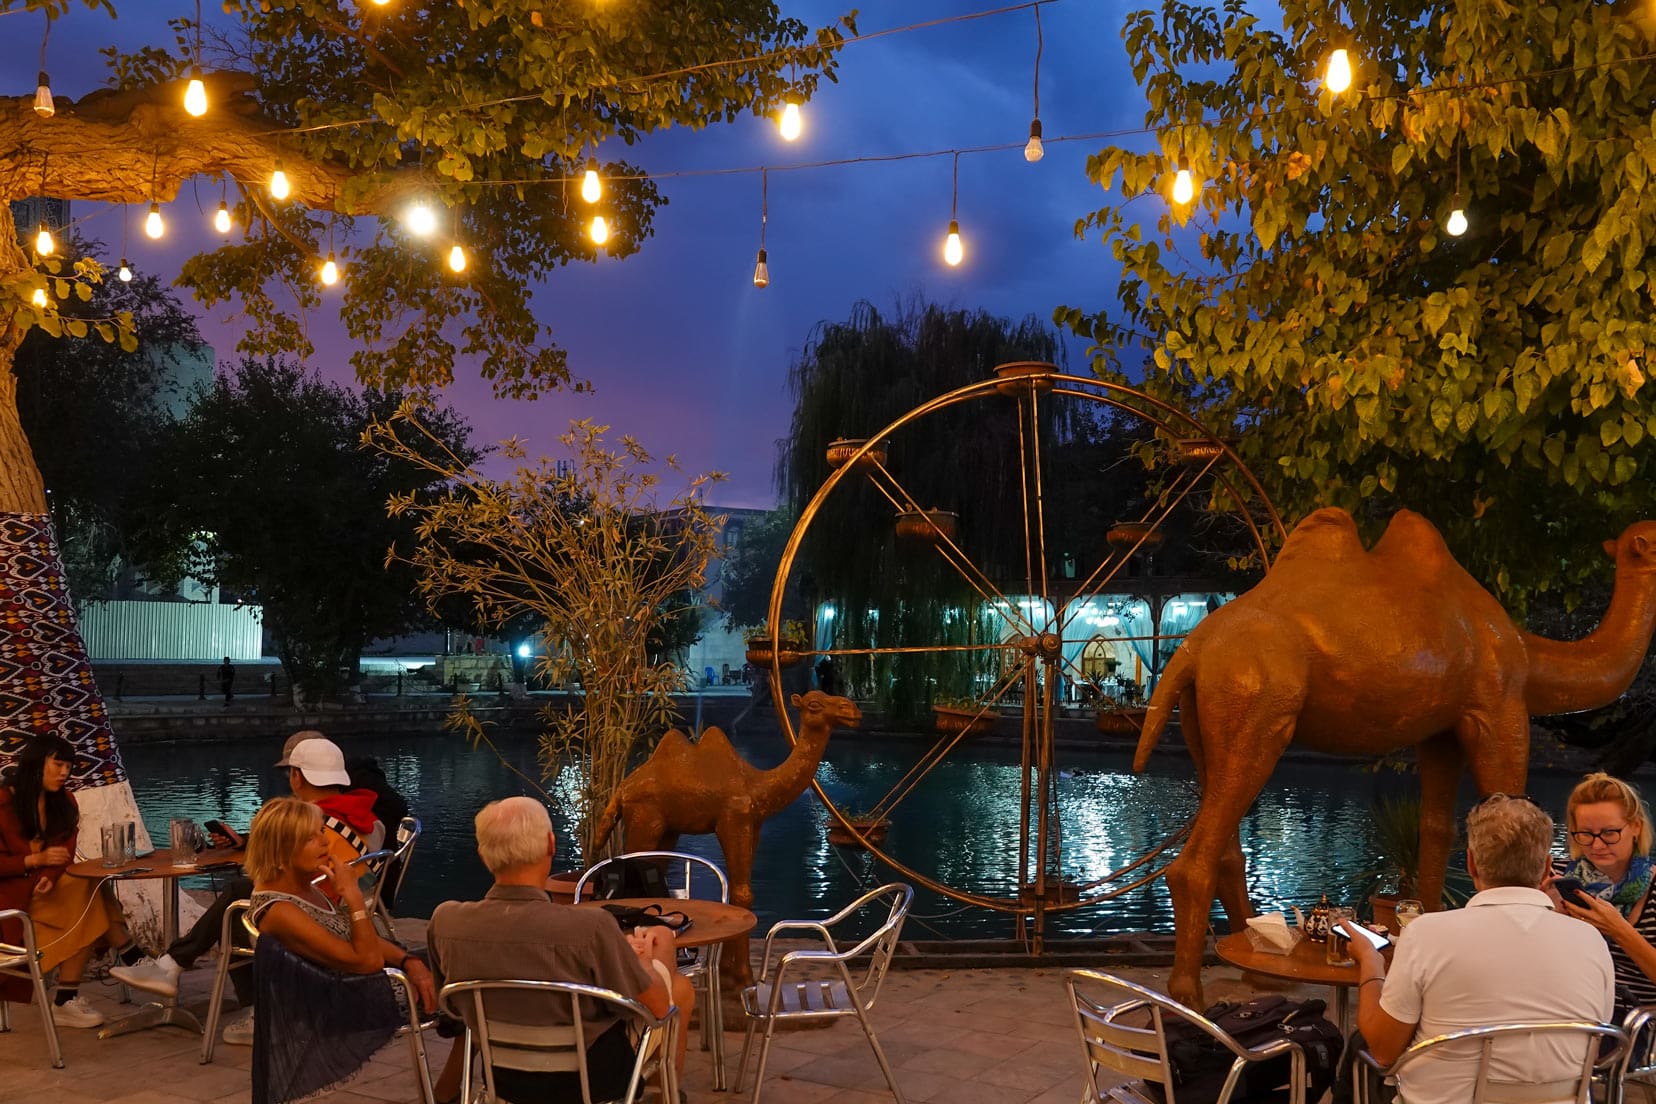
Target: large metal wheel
[1041,614]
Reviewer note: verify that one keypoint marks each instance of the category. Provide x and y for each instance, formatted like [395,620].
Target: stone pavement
[1000,1036]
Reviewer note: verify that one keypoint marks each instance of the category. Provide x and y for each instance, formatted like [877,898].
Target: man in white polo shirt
[1506,957]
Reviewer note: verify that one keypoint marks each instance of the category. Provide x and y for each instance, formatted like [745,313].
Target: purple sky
[685,353]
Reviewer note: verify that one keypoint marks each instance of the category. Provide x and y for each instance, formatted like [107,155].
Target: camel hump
[713,739]
[1409,537]
[1325,534]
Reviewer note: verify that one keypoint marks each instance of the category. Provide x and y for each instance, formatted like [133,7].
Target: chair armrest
[27,947]
[791,925]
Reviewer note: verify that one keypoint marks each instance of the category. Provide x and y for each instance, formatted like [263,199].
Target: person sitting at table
[516,932]
[39,828]
[1460,968]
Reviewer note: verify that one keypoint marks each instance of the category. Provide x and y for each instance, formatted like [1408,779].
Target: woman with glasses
[1609,832]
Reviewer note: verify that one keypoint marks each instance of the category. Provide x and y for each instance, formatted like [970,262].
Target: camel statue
[1364,652]
[696,788]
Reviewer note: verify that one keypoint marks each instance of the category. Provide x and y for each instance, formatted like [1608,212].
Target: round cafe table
[1306,963]
[712,923]
[159,864]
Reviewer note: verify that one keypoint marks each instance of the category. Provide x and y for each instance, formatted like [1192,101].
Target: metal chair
[697,966]
[1603,1052]
[370,870]
[22,960]
[396,873]
[1138,1050]
[828,990]
[553,1049]
[1638,1064]
[230,957]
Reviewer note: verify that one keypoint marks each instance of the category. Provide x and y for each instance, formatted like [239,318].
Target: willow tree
[1315,293]
[485,111]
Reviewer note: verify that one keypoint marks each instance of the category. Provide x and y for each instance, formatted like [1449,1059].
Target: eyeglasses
[1609,836]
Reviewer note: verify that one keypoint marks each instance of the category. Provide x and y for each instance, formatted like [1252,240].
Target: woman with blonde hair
[1610,836]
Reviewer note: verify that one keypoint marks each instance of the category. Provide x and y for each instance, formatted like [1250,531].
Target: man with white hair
[516,931]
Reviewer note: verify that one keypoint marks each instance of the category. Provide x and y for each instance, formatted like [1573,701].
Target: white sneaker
[149,975]
[239,1032]
[76,1013]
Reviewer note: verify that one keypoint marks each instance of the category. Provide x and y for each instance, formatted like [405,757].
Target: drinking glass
[1338,946]
[1407,910]
[112,841]
[181,837]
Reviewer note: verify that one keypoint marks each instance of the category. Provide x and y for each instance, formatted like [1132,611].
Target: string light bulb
[599,230]
[330,271]
[44,245]
[457,258]
[761,270]
[195,94]
[953,251]
[279,188]
[39,297]
[1034,150]
[124,272]
[791,124]
[44,105]
[153,226]
[1184,187]
[1456,223]
[221,221]
[420,219]
[592,189]
[1337,79]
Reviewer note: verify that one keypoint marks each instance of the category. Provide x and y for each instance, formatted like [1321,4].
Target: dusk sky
[684,352]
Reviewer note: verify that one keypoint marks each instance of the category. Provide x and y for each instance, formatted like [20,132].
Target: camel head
[826,709]
[1635,550]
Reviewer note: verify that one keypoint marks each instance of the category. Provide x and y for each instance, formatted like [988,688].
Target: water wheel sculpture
[1035,612]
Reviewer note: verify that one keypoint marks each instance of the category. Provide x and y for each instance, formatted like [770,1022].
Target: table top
[1306,962]
[710,921]
[157,864]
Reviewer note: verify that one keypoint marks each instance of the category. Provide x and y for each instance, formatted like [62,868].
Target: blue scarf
[1625,894]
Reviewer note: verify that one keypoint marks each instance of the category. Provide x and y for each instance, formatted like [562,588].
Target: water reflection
[1308,833]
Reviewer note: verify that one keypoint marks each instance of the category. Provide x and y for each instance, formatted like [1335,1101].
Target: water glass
[1407,910]
[1339,944]
[112,842]
[181,837]
[131,849]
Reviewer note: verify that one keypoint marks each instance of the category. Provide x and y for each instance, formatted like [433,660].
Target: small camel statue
[1364,652]
[695,788]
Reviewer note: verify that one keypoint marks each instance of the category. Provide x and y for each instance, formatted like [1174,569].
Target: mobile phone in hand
[1572,891]
[1363,931]
[224,831]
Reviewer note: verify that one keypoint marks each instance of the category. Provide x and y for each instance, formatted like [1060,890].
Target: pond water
[1308,834]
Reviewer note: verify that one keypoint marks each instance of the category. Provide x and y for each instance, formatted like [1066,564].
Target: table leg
[165,1011]
[1342,1010]
[715,1013]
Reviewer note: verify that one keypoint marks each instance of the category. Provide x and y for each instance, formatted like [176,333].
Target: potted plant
[1396,824]
[787,648]
[965,715]
[933,525]
[872,827]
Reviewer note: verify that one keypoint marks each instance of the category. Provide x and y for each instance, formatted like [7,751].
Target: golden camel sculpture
[1364,652]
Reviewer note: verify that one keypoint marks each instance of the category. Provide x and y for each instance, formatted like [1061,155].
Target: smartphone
[1572,891]
[1363,931]
[219,828]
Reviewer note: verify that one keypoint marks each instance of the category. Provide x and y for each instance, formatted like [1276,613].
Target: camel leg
[738,839]
[1440,762]
[1233,880]
[645,828]
[1498,750]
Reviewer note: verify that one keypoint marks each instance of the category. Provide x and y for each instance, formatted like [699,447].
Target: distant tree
[264,489]
[748,573]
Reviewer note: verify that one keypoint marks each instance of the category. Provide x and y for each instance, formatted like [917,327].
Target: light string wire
[1040,44]
[954,190]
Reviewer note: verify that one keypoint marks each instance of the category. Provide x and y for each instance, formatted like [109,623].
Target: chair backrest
[549,1048]
[238,913]
[1603,1047]
[1115,1048]
[370,870]
[686,865]
[1639,1056]
[396,871]
[896,897]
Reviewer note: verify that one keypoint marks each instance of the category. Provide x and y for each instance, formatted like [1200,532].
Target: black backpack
[629,878]
[1200,1063]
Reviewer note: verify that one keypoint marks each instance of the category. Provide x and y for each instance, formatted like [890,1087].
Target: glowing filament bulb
[39,297]
[1184,187]
[44,245]
[195,95]
[1338,78]
[330,271]
[761,271]
[221,221]
[125,272]
[599,230]
[457,258]
[421,219]
[1456,226]
[1035,149]
[153,226]
[791,124]
[592,189]
[44,105]
[279,183]
[953,251]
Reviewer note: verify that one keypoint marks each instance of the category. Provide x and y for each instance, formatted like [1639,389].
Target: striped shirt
[1633,986]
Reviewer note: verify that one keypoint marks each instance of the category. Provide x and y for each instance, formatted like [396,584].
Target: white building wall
[170,630]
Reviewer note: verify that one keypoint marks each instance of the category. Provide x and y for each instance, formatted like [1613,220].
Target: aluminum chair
[554,1049]
[827,990]
[22,960]
[396,873]
[1634,1079]
[1603,1047]
[370,870]
[1113,1047]
[689,864]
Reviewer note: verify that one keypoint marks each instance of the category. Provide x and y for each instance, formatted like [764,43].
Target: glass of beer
[1339,944]
[1407,910]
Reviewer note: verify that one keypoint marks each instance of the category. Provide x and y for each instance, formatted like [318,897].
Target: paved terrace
[998,1036]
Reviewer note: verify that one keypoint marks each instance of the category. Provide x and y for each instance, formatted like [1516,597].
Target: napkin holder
[1270,933]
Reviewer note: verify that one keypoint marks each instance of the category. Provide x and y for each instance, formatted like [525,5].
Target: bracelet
[1365,981]
[403,965]
[359,914]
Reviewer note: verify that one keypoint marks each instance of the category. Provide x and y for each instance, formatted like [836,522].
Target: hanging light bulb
[221,221]
[39,297]
[592,189]
[599,230]
[953,251]
[1456,224]
[791,124]
[1184,187]
[44,106]
[761,271]
[153,226]
[457,258]
[195,95]
[1338,78]
[1034,151]
[279,182]
[330,271]
[124,272]
[420,219]
[44,245]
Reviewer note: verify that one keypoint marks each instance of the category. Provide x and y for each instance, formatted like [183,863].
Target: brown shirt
[517,932]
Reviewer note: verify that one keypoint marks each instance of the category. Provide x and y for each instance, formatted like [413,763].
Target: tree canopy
[1314,300]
